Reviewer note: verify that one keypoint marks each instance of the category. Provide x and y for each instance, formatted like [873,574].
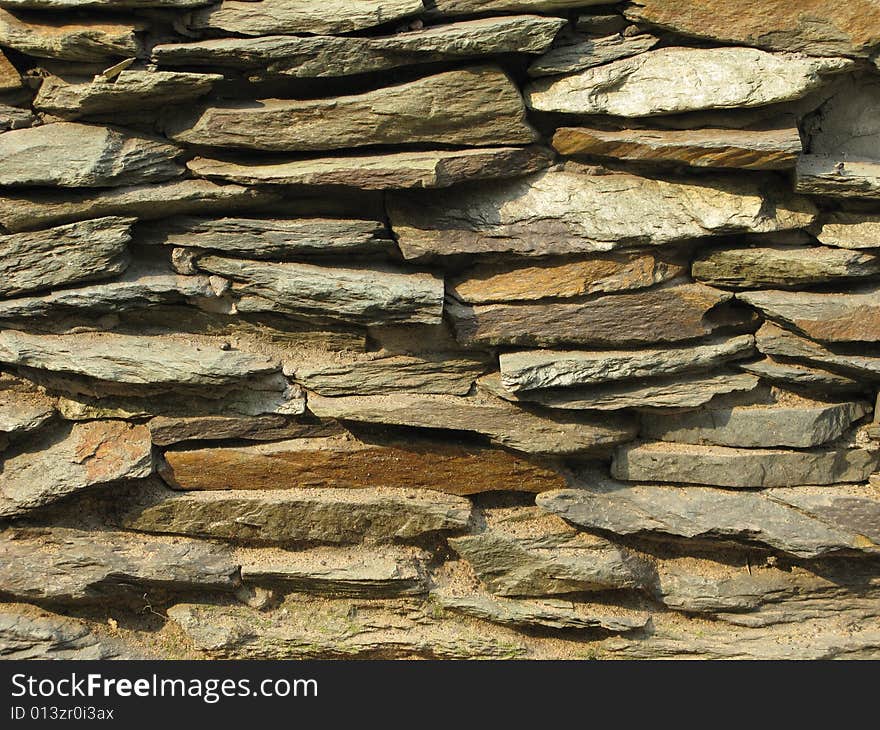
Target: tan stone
[10,80]
[838,176]
[849,230]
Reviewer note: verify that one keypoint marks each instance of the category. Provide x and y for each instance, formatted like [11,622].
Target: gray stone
[69,254]
[845,126]
[838,177]
[167,430]
[796,374]
[849,230]
[12,117]
[471,107]
[775,341]
[74,155]
[854,507]
[589,52]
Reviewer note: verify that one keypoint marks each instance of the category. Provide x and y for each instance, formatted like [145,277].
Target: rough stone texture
[81,4]
[167,430]
[851,507]
[436,169]
[845,126]
[590,52]
[23,408]
[742,468]
[748,149]
[845,178]
[567,212]
[12,117]
[68,254]
[71,458]
[10,80]
[104,157]
[850,230]
[676,80]
[467,7]
[796,374]
[474,107]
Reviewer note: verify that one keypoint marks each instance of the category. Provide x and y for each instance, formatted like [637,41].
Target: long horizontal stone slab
[69,254]
[348,464]
[752,149]
[72,458]
[676,80]
[326,515]
[539,432]
[667,314]
[40,209]
[560,278]
[537,369]
[470,7]
[129,91]
[850,507]
[366,296]
[849,230]
[588,52]
[332,56]
[399,170]
[168,430]
[102,4]
[797,374]
[569,212]
[726,466]
[838,177]
[700,514]
[68,154]
[850,317]
[472,107]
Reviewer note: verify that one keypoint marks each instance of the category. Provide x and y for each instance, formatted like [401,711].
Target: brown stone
[10,80]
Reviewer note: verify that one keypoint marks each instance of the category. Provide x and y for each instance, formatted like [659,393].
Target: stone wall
[455,329]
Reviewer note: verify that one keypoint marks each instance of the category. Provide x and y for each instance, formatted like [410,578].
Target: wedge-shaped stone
[337,571]
[472,107]
[818,27]
[68,254]
[679,391]
[535,369]
[794,422]
[560,278]
[668,314]
[167,430]
[327,56]
[568,212]
[77,39]
[849,230]
[132,360]
[470,7]
[74,155]
[10,79]
[366,296]
[130,90]
[63,565]
[341,629]
[725,466]
[524,552]
[349,464]
[782,267]
[23,408]
[295,16]
[72,458]
[773,340]
[838,177]
[40,209]
[435,169]
[325,515]
[852,317]
[752,149]
[789,373]
[701,514]
[539,432]
[589,52]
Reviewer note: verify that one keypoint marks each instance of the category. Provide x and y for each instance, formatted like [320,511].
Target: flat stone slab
[540,432]
[13,117]
[849,230]
[469,7]
[850,507]
[568,212]
[71,458]
[167,430]
[792,373]
[741,468]
[91,4]
[589,52]
[676,80]
[472,107]
[778,342]
[752,149]
[401,170]
[23,408]
[838,176]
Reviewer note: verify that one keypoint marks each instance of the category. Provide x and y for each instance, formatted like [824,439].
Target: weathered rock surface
[539,432]
[68,254]
[524,552]
[796,374]
[69,40]
[130,90]
[536,369]
[167,430]
[40,209]
[103,4]
[667,314]
[23,408]
[10,79]
[294,16]
[703,513]
[851,317]
[62,565]
[325,515]
[13,117]
[751,149]
[69,459]
[567,212]
[782,267]
[590,52]
[742,468]
[849,507]
[849,230]
[835,177]
[327,56]
[74,155]
[473,107]
[468,7]
[435,169]
[563,278]
[773,340]
[676,80]
[845,126]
